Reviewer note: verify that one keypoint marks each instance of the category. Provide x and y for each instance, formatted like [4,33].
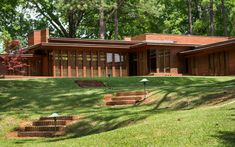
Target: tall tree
[116,22]
[102,21]
[211,11]
[224,15]
[190,22]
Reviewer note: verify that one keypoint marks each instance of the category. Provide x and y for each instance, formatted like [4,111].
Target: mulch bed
[89,83]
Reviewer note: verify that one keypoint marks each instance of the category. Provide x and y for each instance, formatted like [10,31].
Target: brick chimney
[127,38]
[44,35]
[38,36]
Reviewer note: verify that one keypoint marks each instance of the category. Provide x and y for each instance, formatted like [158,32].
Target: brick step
[123,102]
[164,74]
[45,128]
[58,118]
[40,133]
[130,93]
[121,98]
[49,122]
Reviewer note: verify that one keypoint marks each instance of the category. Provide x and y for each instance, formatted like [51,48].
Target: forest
[114,19]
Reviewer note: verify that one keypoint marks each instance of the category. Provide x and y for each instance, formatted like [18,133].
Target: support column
[106,65]
[84,64]
[99,66]
[69,64]
[121,64]
[61,64]
[54,66]
[126,62]
[92,68]
[113,66]
[76,61]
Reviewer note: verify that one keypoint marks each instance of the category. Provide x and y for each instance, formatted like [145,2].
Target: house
[147,54]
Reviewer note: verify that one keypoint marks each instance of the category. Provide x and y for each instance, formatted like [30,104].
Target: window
[109,59]
[164,60]
[64,57]
[58,63]
[103,63]
[88,64]
[95,64]
[73,63]
[117,60]
[79,61]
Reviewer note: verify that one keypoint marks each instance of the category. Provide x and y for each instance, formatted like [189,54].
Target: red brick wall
[38,36]
[34,38]
[44,35]
[180,39]
[139,37]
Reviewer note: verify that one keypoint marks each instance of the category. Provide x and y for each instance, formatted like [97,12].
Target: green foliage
[81,18]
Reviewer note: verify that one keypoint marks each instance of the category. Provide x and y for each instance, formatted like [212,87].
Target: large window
[117,61]
[152,60]
[103,64]
[58,63]
[164,60]
[73,63]
[64,57]
[88,64]
[79,62]
[95,64]
[109,59]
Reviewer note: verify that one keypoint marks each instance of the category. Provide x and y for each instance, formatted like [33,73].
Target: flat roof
[209,47]
[91,41]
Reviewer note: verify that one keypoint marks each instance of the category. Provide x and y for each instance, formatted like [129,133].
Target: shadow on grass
[44,96]
[227,138]
[107,120]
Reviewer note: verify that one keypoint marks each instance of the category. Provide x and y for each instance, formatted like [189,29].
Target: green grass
[184,111]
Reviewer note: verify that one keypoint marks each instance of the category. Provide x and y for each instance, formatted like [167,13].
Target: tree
[190,17]
[224,15]
[102,21]
[13,61]
[212,25]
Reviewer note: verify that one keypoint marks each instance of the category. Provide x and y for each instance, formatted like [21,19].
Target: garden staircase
[45,127]
[124,98]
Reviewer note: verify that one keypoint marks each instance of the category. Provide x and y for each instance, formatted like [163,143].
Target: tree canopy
[114,19]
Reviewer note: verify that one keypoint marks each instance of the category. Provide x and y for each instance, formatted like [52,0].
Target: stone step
[40,133]
[130,93]
[49,122]
[123,102]
[45,128]
[58,118]
[121,98]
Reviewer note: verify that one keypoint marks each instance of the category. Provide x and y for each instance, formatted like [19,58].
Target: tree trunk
[224,15]
[102,22]
[211,18]
[72,24]
[116,24]
[190,22]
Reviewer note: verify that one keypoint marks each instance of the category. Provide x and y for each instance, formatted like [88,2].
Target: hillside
[183,111]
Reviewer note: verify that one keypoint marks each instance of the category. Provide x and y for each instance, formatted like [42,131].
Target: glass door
[152,61]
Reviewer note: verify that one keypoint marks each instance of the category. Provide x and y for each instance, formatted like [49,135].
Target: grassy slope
[167,119]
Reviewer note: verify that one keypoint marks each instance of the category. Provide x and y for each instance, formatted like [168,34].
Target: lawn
[183,111]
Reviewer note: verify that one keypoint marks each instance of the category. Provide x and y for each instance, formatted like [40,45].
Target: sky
[1,47]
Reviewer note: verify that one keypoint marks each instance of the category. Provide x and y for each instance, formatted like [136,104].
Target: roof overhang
[215,47]
[101,44]
[91,41]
